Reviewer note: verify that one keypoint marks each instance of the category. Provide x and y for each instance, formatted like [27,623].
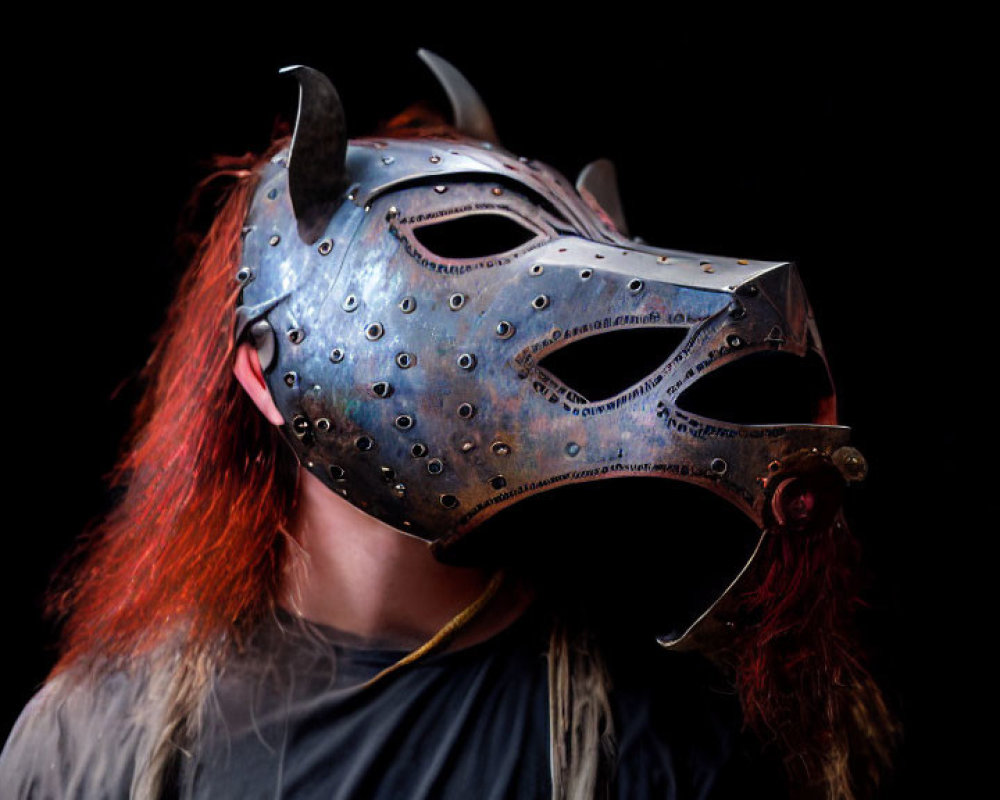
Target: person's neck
[359,575]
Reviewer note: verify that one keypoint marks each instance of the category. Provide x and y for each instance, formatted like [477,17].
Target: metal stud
[466,411]
[350,303]
[274,240]
[467,446]
[300,424]
[291,378]
[500,448]
[391,214]
[400,490]
[374,331]
[435,159]
[440,189]
[418,450]
[663,259]
[536,269]
[405,360]
[497,191]
[635,285]
[382,389]
[735,341]
[505,329]
[572,449]
[323,424]
[296,335]
[585,274]
[337,355]
[456,301]
[540,302]
[404,422]
[467,361]
[325,247]
[408,304]
[435,466]
[364,443]
[244,276]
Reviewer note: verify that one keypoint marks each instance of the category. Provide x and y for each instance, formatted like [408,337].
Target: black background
[817,144]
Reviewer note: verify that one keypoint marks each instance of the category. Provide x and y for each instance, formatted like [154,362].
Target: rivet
[300,424]
[572,449]
[418,450]
[296,335]
[408,304]
[404,422]
[244,276]
[368,208]
[467,446]
[466,411]
[734,341]
[382,389]
[498,482]
[663,259]
[719,466]
[435,159]
[435,466]
[449,501]
[540,302]
[350,303]
[323,424]
[274,240]
[500,448]
[635,285]
[467,361]
[400,490]
[456,301]
[272,194]
[374,331]
[291,379]
[536,269]
[742,261]
[440,189]
[598,255]
[325,247]
[387,160]
[707,268]
[392,213]
[310,464]
[337,355]
[497,191]
[585,274]
[364,443]
[505,329]
[737,311]
[405,360]
[337,473]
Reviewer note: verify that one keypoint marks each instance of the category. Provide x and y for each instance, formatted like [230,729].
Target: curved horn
[598,186]
[467,107]
[317,170]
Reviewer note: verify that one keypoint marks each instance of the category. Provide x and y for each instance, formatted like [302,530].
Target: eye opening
[475,235]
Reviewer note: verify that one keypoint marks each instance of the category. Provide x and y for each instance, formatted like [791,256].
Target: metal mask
[413,301]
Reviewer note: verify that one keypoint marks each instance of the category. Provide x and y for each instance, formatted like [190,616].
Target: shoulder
[76,738]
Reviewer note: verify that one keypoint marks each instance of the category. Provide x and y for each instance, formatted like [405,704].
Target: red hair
[206,484]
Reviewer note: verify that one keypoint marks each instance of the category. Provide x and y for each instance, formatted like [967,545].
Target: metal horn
[317,171]
[467,107]
[598,186]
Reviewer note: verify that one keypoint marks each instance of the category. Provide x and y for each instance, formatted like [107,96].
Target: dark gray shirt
[289,718]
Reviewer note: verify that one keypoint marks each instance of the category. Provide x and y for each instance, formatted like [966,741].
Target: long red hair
[205,483]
